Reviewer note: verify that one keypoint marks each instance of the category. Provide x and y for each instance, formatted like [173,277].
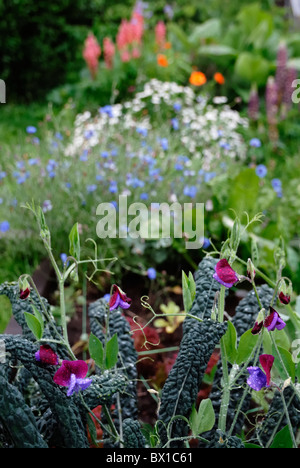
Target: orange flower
[162,60]
[168,45]
[219,78]
[197,78]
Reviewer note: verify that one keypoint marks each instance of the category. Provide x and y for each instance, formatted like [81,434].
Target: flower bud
[24,289]
[250,269]
[284,292]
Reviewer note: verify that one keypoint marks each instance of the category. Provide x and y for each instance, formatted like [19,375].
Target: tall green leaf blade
[111,352]
[230,341]
[96,350]
[246,346]
[34,325]
[74,242]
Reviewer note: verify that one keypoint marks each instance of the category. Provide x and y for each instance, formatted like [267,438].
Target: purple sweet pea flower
[118,299]
[72,374]
[259,379]
[224,274]
[46,355]
[274,321]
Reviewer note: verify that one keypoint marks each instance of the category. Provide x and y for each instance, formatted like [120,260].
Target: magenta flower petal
[224,274]
[46,355]
[266,361]
[24,294]
[64,373]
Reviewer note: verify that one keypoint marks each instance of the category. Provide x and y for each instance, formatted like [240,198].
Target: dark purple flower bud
[224,274]
[24,294]
[284,299]
[257,328]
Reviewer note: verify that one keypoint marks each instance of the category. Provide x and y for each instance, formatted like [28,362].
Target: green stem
[226,387]
[288,420]
[111,423]
[283,365]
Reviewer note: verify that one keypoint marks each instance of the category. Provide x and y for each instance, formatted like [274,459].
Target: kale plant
[47,395]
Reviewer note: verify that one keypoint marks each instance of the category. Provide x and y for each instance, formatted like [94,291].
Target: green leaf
[188,291]
[92,429]
[246,346]
[252,68]
[34,325]
[218,50]
[230,340]
[250,445]
[209,29]
[287,361]
[6,313]
[202,420]
[111,352]
[243,192]
[282,439]
[96,350]
[235,236]
[39,316]
[74,242]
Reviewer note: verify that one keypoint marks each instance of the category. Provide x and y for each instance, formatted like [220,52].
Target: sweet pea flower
[271,322]
[118,299]
[72,374]
[274,321]
[259,379]
[224,274]
[284,298]
[46,355]
[24,294]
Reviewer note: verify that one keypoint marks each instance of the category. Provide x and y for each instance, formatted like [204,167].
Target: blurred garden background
[159,101]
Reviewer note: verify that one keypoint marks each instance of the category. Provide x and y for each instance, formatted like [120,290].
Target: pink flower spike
[224,274]
[266,361]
